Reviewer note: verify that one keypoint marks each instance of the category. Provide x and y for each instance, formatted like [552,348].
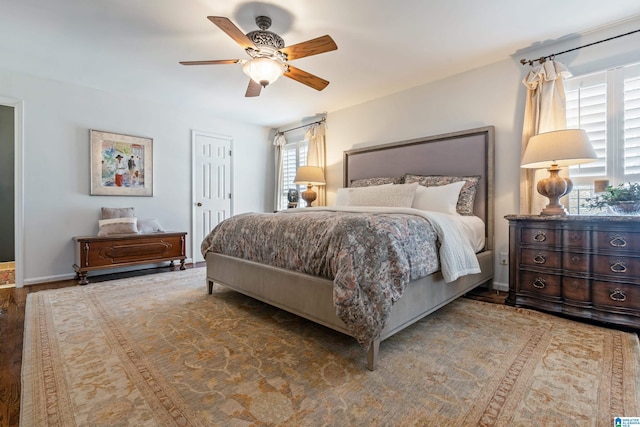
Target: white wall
[491,95]
[57,204]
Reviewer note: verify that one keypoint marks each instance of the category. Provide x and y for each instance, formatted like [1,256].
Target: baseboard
[47,279]
[60,277]
[501,286]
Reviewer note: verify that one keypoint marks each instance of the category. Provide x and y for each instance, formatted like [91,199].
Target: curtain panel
[317,155]
[545,111]
[279,141]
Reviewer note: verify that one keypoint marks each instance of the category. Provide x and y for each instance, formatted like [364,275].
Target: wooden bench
[103,252]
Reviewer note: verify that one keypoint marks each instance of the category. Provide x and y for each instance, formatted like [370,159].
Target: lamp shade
[309,175]
[263,70]
[560,147]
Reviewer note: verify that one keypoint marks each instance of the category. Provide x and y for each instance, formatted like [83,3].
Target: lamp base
[309,196]
[553,187]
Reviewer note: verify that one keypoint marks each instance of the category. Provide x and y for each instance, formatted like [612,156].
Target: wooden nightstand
[582,266]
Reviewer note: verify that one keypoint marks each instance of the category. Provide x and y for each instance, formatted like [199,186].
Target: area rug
[159,350]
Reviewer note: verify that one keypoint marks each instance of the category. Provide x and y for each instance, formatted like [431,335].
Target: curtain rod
[544,58]
[322,120]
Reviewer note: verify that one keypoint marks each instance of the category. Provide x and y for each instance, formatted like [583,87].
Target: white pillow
[442,198]
[394,195]
[342,197]
[107,227]
[146,226]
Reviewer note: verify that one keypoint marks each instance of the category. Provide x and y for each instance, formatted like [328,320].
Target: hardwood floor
[12,306]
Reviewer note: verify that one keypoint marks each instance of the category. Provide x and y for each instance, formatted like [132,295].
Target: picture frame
[121,165]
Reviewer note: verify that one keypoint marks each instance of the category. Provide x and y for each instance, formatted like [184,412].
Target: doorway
[11,193]
[7,199]
[211,185]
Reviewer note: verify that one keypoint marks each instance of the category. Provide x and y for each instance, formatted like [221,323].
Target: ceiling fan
[269,56]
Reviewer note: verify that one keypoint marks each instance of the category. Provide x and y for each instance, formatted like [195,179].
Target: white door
[211,185]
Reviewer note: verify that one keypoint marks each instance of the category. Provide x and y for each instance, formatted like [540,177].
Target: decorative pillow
[369,182]
[107,227]
[146,226]
[443,198]
[342,197]
[467,194]
[398,195]
[110,213]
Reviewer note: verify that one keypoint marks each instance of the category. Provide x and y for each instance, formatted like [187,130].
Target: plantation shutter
[587,109]
[632,125]
[294,156]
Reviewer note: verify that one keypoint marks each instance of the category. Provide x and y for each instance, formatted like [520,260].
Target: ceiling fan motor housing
[266,41]
[262,38]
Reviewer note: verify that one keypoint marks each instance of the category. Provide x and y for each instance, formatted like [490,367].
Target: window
[607,106]
[294,155]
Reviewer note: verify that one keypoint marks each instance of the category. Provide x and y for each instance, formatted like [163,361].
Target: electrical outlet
[504,258]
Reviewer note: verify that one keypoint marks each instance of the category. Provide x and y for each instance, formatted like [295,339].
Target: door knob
[198,204]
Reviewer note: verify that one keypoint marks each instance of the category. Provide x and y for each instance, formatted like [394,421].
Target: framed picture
[121,165]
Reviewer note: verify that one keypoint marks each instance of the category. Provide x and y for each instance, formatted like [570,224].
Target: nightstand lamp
[552,150]
[309,176]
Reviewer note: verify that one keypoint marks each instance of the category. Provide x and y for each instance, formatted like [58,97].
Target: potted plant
[622,199]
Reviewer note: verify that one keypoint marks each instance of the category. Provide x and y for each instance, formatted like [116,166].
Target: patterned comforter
[370,257]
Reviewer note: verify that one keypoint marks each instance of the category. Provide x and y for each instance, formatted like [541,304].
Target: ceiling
[133,47]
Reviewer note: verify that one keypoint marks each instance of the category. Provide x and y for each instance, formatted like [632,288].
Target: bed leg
[372,354]
[210,287]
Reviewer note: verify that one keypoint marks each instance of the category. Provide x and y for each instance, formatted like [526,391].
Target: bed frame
[464,153]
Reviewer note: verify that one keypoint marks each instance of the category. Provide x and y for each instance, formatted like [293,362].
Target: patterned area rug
[158,350]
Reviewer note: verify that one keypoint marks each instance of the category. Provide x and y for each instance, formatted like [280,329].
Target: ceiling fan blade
[253,89]
[232,31]
[310,47]
[306,78]
[214,61]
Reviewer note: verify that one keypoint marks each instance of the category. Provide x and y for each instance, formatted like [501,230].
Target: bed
[464,153]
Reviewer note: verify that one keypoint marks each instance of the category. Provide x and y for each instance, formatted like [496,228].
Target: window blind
[587,109]
[294,155]
[632,126]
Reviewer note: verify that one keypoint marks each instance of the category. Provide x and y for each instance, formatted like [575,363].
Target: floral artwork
[121,165]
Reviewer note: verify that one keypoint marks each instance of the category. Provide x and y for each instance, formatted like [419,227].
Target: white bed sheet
[474,228]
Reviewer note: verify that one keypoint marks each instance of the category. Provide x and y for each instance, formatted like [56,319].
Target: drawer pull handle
[540,236]
[575,260]
[539,259]
[618,295]
[539,283]
[575,237]
[618,267]
[618,241]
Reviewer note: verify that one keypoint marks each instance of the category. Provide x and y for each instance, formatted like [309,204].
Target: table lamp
[552,150]
[309,176]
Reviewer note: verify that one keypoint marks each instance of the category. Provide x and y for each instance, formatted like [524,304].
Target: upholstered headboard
[463,153]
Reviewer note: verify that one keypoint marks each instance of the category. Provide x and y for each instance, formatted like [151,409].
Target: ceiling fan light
[263,70]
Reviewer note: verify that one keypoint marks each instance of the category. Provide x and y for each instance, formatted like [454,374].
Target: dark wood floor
[12,306]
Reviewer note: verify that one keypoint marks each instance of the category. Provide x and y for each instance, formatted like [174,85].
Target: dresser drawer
[540,258]
[577,289]
[576,262]
[617,241]
[540,283]
[576,239]
[617,267]
[541,236]
[616,294]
